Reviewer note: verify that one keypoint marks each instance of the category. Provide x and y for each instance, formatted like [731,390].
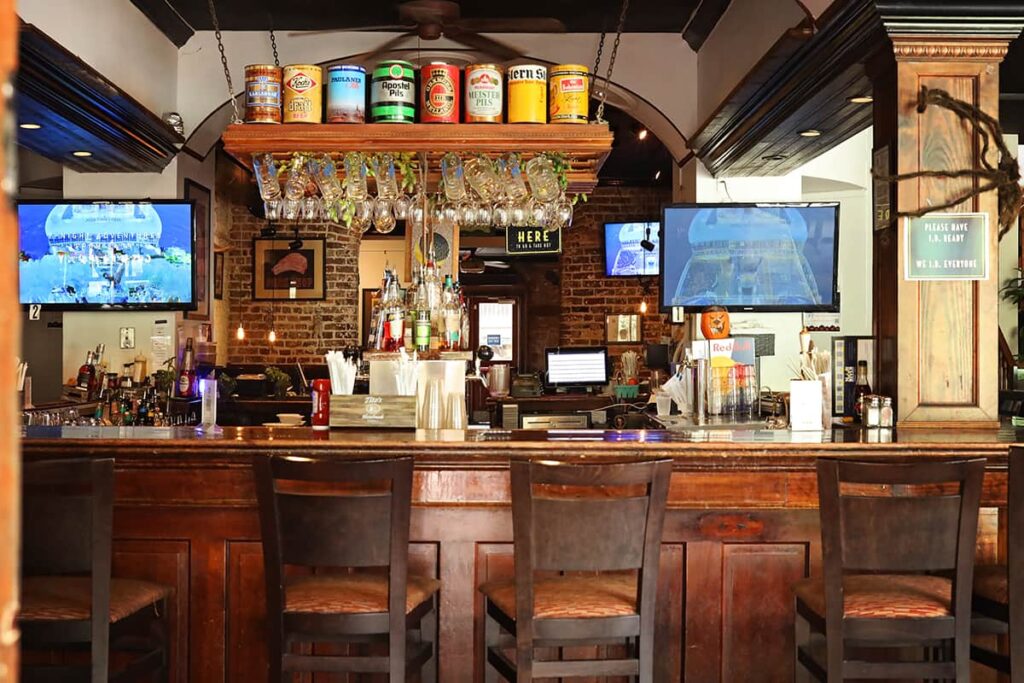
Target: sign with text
[946,246]
[521,240]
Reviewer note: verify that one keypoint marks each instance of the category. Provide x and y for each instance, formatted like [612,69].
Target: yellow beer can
[570,94]
[528,93]
[303,93]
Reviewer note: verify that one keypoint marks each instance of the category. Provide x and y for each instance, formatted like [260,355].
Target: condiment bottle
[886,417]
[872,417]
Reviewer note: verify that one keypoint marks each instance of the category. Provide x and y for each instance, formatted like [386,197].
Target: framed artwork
[622,329]
[218,275]
[446,249]
[203,206]
[276,269]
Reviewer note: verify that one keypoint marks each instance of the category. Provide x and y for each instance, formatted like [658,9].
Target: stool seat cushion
[69,598]
[570,597]
[352,593]
[884,596]
[990,582]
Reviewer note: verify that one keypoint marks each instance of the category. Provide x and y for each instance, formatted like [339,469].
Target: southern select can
[439,93]
[303,93]
[262,93]
[483,93]
[346,94]
[528,94]
[320,417]
[393,92]
[570,94]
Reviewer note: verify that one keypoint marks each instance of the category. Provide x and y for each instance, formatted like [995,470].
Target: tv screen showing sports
[107,255]
[577,366]
[750,257]
[624,255]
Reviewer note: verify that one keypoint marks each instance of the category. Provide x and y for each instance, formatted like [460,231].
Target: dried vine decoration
[1004,177]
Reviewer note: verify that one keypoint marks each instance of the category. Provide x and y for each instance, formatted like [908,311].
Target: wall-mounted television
[624,252]
[750,257]
[84,255]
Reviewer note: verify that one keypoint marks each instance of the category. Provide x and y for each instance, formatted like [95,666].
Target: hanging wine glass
[310,209]
[502,215]
[403,204]
[383,215]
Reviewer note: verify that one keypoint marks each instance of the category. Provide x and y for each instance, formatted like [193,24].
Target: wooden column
[10,343]
[938,341]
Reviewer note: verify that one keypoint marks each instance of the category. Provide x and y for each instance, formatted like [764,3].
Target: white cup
[663,403]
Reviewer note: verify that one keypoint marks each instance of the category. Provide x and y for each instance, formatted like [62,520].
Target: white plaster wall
[116,39]
[1009,250]
[374,254]
[742,36]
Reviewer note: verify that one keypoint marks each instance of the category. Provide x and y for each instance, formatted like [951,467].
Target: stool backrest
[67,517]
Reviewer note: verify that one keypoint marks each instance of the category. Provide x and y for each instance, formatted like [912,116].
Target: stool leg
[801,636]
[492,635]
[428,632]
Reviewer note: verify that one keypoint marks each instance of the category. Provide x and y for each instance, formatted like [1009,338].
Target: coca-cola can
[321,417]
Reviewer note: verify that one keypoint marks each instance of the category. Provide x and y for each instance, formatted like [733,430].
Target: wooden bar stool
[898,541]
[330,514]
[999,589]
[68,598]
[604,518]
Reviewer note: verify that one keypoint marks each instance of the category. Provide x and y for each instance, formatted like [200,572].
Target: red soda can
[321,418]
[439,93]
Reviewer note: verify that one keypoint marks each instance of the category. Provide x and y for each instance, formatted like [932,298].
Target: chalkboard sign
[520,240]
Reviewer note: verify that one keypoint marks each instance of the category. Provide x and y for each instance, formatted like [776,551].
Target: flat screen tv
[750,257]
[624,253]
[107,255]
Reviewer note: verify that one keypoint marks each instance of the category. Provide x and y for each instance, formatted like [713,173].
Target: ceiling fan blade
[486,45]
[386,46]
[511,25]
[344,29]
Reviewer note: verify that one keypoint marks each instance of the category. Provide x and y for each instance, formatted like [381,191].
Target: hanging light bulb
[643,305]
[240,333]
[272,337]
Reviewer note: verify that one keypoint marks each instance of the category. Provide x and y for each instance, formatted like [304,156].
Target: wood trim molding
[950,48]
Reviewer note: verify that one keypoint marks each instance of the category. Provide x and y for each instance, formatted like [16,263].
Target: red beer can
[439,93]
[321,418]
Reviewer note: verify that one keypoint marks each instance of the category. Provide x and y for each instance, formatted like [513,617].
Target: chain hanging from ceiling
[236,118]
[603,96]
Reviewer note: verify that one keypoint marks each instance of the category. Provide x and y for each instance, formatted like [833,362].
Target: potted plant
[279,380]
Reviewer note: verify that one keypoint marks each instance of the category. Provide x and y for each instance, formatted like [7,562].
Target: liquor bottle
[87,373]
[99,361]
[187,376]
[142,415]
[860,389]
[410,308]
[464,336]
[432,286]
[421,324]
[451,317]
[393,313]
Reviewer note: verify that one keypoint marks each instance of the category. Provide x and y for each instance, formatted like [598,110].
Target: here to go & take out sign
[946,246]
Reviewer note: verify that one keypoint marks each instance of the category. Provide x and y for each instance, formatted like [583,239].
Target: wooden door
[10,457]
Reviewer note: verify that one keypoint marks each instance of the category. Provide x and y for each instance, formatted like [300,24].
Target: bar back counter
[741,529]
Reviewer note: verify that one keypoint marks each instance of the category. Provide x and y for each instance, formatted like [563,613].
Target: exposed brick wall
[299,337]
[587,295]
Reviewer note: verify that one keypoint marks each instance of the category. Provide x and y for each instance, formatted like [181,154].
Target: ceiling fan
[432,19]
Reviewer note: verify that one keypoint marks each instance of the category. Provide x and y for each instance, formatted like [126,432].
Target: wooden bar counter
[742,527]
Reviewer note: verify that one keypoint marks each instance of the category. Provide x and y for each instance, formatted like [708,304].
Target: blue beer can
[346,94]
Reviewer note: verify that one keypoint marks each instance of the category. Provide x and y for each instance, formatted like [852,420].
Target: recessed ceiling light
[657,174]
[774,157]
[642,134]
[81,154]
[29,126]
[861,99]
[810,133]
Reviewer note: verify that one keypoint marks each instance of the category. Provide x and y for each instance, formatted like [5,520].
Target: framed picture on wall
[218,275]
[277,268]
[446,249]
[201,196]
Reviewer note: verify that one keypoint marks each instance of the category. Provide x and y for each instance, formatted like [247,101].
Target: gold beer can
[570,93]
[262,93]
[303,93]
[528,93]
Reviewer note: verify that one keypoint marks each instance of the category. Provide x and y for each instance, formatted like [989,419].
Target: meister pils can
[484,93]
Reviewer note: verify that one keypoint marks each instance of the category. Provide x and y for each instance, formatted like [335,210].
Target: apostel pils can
[570,93]
[346,94]
[439,93]
[528,94]
[393,93]
[483,93]
[262,93]
[303,93]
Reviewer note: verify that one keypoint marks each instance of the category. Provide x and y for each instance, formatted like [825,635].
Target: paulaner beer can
[570,93]
[439,93]
[528,94]
[393,92]
[346,94]
[483,93]
[303,93]
[262,93]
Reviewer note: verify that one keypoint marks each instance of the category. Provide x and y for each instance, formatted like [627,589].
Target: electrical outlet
[127,337]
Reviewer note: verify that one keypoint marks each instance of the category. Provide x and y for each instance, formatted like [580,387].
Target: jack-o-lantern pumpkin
[714,322]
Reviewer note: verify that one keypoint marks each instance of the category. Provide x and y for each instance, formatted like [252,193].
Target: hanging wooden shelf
[586,146]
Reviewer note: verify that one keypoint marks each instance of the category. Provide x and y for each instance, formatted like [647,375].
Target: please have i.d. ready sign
[946,246]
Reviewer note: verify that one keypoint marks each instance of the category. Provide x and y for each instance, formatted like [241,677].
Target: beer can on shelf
[483,93]
[346,94]
[528,94]
[393,92]
[262,93]
[570,94]
[439,93]
[303,93]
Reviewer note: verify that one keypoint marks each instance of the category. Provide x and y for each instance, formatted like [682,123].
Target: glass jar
[886,417]
[872,416]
